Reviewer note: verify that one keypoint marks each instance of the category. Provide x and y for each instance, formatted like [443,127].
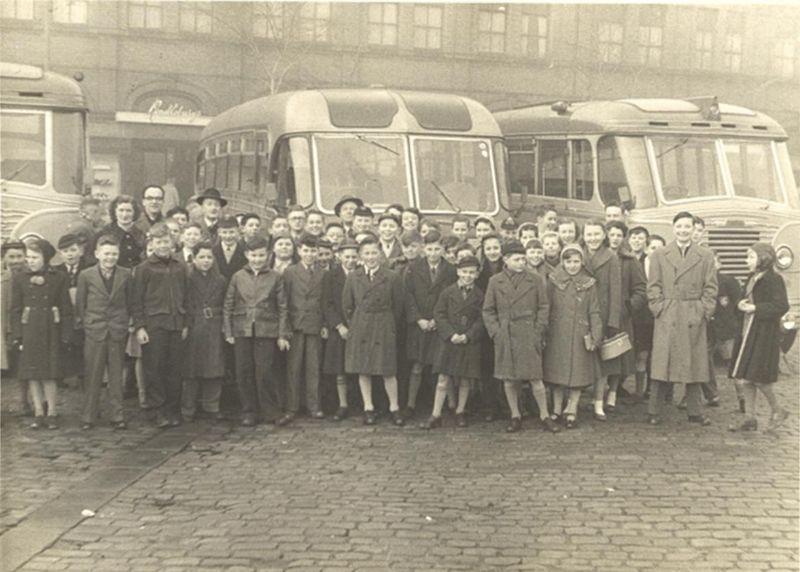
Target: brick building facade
[154,72]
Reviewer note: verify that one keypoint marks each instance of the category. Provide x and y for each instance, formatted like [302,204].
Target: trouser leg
[265,382]
[694,400]
[191,389]
[37,396]
[658,390]
[312,358]
[245,373]
[95,359]
[294,372]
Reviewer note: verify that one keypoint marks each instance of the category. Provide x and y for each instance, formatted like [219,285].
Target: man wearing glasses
[153,202]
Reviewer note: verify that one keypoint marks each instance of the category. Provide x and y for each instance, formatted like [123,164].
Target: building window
[195,18]
[609,39]
[382,24]
[783,58]
[492,30]
[650,45]
[534,35]
[268,20]
[428,27]
[70,11]
[315,20]
[144,15]
[17,9]
[703,50]
[733,52]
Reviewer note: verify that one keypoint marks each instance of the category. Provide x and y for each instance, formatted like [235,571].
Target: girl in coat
[205,369]
[756,352]
[491,264]
[41,313]
[372,302]
[515,312]
[573,333]
[604,266]
[460,328]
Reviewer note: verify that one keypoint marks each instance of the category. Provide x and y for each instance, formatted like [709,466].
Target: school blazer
[421,292]
[256,306]
[104,315]
[238,260]
[304,295]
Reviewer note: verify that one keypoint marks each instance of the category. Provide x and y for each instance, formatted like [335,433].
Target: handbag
[615,346]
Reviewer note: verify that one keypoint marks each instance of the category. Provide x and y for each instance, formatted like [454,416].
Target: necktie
[189,258]
[433,274]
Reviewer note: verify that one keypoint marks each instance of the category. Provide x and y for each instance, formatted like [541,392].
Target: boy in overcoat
[460,329]
[303,286]
[682,295]
[102,302]
[372,302]
[229,252]
[256,322]
[605,267]
[205,359]
[426,278]
[516,313]
[332,288]
[159,319]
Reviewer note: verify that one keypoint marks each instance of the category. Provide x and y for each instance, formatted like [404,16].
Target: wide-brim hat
[347,199]
[211,193]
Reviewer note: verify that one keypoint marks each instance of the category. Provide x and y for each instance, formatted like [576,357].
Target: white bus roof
[30,86]
[638,117]
[337,110]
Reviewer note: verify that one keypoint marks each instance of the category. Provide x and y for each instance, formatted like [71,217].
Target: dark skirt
[421,347]
[459,361]
[333,360]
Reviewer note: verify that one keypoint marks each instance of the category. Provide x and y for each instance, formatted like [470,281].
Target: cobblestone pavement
[620,495]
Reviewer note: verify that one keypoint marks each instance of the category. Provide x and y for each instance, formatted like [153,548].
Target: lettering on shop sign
[160,109]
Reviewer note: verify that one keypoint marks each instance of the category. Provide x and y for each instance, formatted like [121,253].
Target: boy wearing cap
[256,321]
[345,209]
[335,233]
[460,329]
[508,229]
[515,313]
[102,302]
[362,221]
[229,252]
[426,278]
[334,320]
[303,286]
[388,226]
[71,249]
[527,231]
[411,244]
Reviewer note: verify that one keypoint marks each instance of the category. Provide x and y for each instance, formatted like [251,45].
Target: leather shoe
[285,420]
[398,419]
[700,420]
[162,422]
[600,417]
[713,402]
[118,425]
[570,422]
[407,413]
[461,420]
[746,425]
[654,420]
[87,426]
[778,419]
[431,423]
[369,417]
[318,415]
[248,420]
[175,422]
[550,425]
[515,425]
[340,414]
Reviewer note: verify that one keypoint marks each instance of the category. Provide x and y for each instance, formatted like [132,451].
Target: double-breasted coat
[488,269]
[515,314]
[303,288]
[72,360]
[421,296]
[756,351]
[229,267]
[642,318]
[333,316]
[574,313]
[103,314]
[205,297]
[456,314]
[41,314]
[682,295]
[727,318]
[373,309]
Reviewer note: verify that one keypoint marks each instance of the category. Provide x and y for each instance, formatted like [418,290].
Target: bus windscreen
[372,167]
[454,174]
[688,167]
[23,147]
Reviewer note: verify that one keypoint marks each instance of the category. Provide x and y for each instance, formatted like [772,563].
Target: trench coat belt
[683,296]
[210,312]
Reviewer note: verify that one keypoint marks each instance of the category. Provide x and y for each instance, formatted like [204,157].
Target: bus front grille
[731,245]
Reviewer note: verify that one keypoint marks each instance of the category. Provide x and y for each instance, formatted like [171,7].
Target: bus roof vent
[760,127]
[358,108]
[700,124]
[438,111]
[656,105]
[729,125]
[659,123]
[30,94]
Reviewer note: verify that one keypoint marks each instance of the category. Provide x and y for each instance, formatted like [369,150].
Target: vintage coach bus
[44,151]
[725,163]
[440,153]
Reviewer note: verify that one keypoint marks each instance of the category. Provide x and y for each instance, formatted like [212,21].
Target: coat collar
[583,280]
[597,260]
[96,276]
[527,282]
[681,264]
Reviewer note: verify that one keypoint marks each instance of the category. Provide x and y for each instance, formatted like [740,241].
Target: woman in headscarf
[757,351]
[41,314]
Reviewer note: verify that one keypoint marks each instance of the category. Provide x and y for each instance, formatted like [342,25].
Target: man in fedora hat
[211,201]
[345,209]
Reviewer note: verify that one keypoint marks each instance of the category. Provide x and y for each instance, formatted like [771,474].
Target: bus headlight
[784,257]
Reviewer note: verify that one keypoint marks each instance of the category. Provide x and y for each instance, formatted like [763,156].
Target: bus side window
[553,168]
[221,165]
[234,163]
[582,171]
[266,191]
[522,166]
[248,177]
[200,174]
[294,172]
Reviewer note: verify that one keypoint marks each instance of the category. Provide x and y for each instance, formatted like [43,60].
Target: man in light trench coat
[682,294]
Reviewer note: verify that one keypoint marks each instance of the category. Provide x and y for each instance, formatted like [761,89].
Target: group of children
[309,306]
